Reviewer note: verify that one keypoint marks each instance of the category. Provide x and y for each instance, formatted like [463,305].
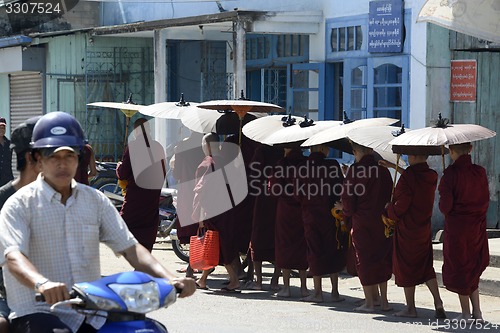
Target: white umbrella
[128,108]
[259,129]
[331,135]
[242,105]
[283,130]
[432,140]
[299,132]
[211,121]
[378,138]
[169,110]
[480,19]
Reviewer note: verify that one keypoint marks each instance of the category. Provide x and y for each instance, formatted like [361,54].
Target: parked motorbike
[126,297]
[106,179]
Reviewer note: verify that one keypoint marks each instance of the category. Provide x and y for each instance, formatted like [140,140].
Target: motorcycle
[126,297]
[106,179]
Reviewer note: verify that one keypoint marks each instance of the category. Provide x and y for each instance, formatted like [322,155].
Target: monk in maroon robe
[243,212]
[140,206]
[188,155]
[264,212]
[321,188]
[411,209]
[367,189]
[290,242]
[464,200]
[204,203]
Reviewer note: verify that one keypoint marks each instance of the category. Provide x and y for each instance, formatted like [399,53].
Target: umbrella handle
[442,155]
[127,123]
[241,115]
[395,175]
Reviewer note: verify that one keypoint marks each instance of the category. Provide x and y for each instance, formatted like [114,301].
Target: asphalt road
[261,311]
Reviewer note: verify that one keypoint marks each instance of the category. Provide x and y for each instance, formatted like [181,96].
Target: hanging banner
[385,26]
[463,81]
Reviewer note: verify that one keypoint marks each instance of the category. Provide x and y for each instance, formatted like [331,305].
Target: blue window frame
[374,85]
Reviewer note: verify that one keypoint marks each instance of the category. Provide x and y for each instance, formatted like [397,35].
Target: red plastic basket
[204,250]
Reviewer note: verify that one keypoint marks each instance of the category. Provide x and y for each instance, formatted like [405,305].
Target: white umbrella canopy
[211,121]
[283,130]
[298,132]
[475,18]
[340,132]
[241,105]
[128,108]
[378,138]
[259,129]
[117,105]
[431,140]
[169,110]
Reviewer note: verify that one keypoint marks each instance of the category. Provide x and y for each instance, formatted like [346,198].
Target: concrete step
[489,283]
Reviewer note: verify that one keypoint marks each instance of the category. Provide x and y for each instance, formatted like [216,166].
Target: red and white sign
[463,81]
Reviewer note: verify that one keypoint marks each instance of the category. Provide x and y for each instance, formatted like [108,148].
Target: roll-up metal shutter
[25,97]
[25,101]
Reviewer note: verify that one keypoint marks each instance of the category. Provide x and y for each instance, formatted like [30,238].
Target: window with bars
[346,39]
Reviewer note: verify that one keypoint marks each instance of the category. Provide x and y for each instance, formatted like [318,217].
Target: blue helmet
[57,129]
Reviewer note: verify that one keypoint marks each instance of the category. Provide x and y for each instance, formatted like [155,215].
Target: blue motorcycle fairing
[100,287]
[145,326]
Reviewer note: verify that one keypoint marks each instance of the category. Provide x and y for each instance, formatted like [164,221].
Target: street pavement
[261,311]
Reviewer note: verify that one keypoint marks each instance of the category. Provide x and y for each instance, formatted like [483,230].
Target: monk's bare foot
[406,313]
[253,285]
[284,292]
[386,308]
[304,292]
[233,285]
[464,317]
[360,302]
[335,297]
[440,313]
[364,308]
[478,317]
[274,286]
[312,298]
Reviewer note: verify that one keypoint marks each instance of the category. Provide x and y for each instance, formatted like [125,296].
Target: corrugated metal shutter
[25,97]
[25,101]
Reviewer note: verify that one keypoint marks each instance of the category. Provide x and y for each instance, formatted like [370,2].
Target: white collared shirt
[62,241]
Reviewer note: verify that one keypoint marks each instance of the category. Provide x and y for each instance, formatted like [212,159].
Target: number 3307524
[33,8]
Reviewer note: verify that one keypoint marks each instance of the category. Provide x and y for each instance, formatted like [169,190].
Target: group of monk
[322,233]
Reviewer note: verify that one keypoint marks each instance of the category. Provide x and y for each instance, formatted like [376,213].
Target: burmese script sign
[385,26]
[463,80]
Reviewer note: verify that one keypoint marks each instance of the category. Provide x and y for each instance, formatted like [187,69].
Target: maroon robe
[82,172]
[411,208]
[322,186]
[140,206]
[264,211]
[367,189]
[290,242]
[224,223]
[464,200]
[188,155]
[242,212]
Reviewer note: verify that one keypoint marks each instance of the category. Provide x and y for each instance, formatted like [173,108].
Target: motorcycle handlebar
[40,298]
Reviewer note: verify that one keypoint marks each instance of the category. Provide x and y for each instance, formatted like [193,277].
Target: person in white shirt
[50,232]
